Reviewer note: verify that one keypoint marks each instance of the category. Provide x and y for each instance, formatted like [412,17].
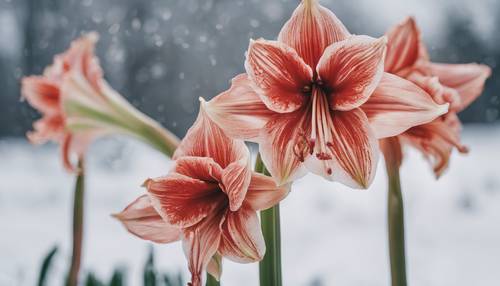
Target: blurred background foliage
[163,55]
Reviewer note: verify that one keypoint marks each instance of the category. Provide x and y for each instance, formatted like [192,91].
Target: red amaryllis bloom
[209,200]
[318,99]
[77,105]
[457,84]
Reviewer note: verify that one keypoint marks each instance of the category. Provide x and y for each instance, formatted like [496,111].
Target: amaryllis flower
[318,99]
[77,105]
[457,84]
[209,200]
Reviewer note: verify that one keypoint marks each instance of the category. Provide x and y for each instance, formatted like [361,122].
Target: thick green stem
[270,266]
[78,207]
[396,227]
[211,281]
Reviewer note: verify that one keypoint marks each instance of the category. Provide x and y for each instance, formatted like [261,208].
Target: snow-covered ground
[331,235]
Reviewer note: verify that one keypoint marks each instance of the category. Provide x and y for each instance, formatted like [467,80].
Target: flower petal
[235,179]
[239,110]
[278,145]
[403,46]
[278,74]
[352,69]
[183,201]
[436,140]
[242,239]
[143,221]
[398,104]
[41,93]
[200,243]
[311,29]
[206,139]
[201,168]
[354,150]
[467,79]
[263,192]
[49,127]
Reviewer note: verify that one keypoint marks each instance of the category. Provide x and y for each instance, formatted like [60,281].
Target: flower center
[319,141]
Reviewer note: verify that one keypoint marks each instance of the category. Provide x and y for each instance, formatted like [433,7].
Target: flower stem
[270,266]
[392,149]
[78,206]
[211,281]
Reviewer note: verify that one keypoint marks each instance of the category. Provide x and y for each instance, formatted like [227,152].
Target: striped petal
[142,220]
[239,110]
[279,76]
[311,29]
[351,70]
[403,46]
[398,104]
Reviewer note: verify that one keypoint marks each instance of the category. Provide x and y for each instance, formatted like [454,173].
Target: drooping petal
[467,79]
[214,266]
[183,201]
[49,127]
[41,94]
[311,29]
[283,145]
[403,46]
[235,179]
[263,192]
[398,104]
[200,243]
[278,74]
[239,110]
[143,221]
[436,140]
[242,239]
[352,69]
[201,168]
[206,139]
[354,148]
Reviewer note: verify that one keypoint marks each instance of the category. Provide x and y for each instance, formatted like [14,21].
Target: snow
[331,235]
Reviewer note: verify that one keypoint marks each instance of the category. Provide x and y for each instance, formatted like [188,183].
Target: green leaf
[46,264]
[118,278]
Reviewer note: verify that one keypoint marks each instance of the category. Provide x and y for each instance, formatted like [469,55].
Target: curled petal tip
[147,183]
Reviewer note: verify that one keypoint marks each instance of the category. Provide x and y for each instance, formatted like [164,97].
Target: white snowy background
[331,235]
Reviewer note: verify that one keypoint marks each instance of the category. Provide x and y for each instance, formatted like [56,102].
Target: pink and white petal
[278,144]
[239,110]
[278,75]
[352,69]
[403,46]
[398,104]
[42,94]
[354,148]
[49,127]
[436,140]
[263,192]
[201,168]
[467,79]
[242,239]
[214,267]
[311,29]
[143,221]
[207,139]
[200,243]
[183,201]
[235,180]
[440,94]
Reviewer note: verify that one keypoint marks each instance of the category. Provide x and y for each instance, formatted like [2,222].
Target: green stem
[211,281]
[78,206]
[396,227]
[270,266]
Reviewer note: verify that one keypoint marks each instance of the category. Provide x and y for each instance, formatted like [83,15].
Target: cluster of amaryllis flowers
[317,99]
